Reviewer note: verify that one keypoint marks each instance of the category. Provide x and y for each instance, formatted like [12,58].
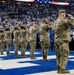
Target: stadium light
[25,0]
[3,1]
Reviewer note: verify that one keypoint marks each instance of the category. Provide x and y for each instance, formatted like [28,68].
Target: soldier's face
[47,21]
[34,25]
[63,15]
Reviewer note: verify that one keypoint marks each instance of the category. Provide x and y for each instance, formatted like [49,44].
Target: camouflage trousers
[8,46]
[45,48]
[16,45]
[2,43]
[62,52]
[32,47]
[23,47]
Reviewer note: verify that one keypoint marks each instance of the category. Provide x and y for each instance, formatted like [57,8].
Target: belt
[65,41]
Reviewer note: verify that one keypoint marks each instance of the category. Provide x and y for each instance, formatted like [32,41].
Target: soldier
[32,39]
[17,39]
[2,40]
[44,37]
[8,38]
[24,40]
[61,33]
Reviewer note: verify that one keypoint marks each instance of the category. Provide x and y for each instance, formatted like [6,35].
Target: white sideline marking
[14,63]
[52,73]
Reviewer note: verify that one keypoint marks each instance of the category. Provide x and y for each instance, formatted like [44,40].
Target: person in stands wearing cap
[61,35]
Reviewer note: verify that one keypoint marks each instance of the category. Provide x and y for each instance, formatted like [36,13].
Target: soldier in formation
[44,37]
[17,39]
[24,38]
[2,40]
[32,39]
[61,34]
[8,38]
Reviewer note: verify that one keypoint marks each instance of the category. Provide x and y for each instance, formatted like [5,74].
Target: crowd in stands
[32,12]
[16,13]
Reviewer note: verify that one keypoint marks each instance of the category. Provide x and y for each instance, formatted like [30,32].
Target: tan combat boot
[8,54]
[23,57]
[16,55]
[45,58]
[2,53]
[62,71]
[32,57]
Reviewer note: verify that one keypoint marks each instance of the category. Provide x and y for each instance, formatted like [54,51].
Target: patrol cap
[62,11]
[32,23]
[44,20]
[23,27]
[7,29]
[16,28]
[23,24]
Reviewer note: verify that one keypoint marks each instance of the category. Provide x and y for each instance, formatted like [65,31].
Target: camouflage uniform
[44,38]
[8,38]
[32,41]
[2,40]
[24,40]
[17,39]
[61,31]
